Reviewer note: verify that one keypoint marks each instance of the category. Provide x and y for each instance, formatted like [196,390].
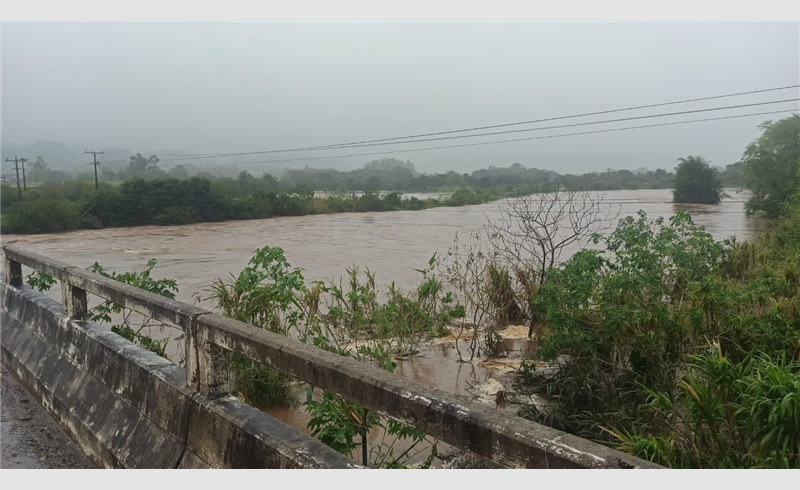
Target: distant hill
[56,153]
[60,156]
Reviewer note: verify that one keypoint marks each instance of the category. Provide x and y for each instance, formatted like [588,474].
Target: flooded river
[391,244]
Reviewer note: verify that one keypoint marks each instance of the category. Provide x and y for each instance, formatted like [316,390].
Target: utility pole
[24,182]
[94,154]
[16,167]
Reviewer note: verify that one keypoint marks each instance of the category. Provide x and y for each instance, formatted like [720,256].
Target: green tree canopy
[140,164]
[696,182]
[179,172]
[771,164]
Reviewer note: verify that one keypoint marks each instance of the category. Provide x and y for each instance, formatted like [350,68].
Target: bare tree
[464,268]
[533,231]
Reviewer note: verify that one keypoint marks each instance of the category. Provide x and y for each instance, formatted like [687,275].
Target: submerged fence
[497,436]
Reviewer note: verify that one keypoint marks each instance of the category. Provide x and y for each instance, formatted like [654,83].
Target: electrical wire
[480,128]
[495,142]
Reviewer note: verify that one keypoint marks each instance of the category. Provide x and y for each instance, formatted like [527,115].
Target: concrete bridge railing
[217,428]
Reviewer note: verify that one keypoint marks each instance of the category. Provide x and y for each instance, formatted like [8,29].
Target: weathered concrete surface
[226,433]
[126,407]
[496,436]
[34,261]
[110,430]
[145,302]
[29,437]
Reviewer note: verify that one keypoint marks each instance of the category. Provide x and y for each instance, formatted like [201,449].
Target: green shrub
[501,294]
[177,215]
[41,216]
[625,324]
[462,197]
[728,415]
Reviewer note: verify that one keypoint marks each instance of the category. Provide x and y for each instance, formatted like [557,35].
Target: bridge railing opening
[210,338]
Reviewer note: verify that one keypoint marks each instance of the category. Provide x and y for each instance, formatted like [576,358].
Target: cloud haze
[219,87]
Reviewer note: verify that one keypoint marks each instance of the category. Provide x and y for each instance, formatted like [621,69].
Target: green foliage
[384,455]
[621,303]
[40,171]
[259,385]
[732,175]
[697,182]
[41,216]
[40,281]
[501,294]
[770,165]
[102,313]
[624,323]
[345,426]
[396,326]
[271,294]
[137,333]
[157,346]
[140,166]
[141,279]
[337,422]
[463,196]
[265,294]
[728,415]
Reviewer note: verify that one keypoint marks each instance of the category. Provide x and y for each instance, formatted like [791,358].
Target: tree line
[150,195]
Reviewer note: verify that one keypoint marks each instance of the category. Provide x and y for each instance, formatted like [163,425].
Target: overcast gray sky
[218,87]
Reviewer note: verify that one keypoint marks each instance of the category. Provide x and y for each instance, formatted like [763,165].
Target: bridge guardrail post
[73,299]
[208,367]
[13,270]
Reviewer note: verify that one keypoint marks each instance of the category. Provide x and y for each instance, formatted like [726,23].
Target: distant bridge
[129,408]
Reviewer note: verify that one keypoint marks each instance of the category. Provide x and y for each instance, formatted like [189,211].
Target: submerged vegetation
[697,182]
[347,320]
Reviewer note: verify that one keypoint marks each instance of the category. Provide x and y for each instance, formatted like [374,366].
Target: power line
[95,163]
[562,126]
[16,167]
[479,128]
[216,155]
[501,141]
[24,181]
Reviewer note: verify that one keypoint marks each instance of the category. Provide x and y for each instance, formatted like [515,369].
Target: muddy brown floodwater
[391,244]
